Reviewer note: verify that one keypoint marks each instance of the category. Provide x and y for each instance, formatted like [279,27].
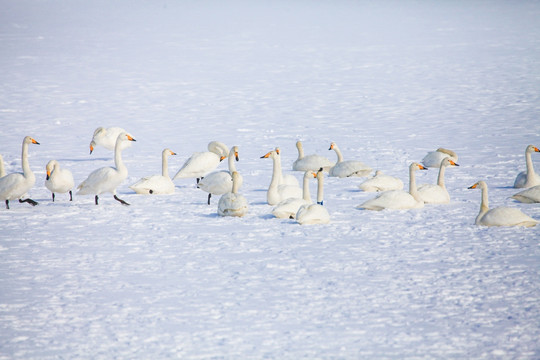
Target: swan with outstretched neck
[277,192]
[15,185]
[437,193]
[157,184]
[528,178]
[499,216]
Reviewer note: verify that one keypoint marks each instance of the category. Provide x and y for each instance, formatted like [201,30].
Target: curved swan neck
[230,162]
[276,173]
[300,150]
[484,205]
[320,187]
[338,153]
[530,167]
[440,178]
[305,186]
[235,182]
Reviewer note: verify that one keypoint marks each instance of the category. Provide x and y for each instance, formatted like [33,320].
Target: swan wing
[312,214]
[312,163]
[288,208]
[506,216]
[394,199]
[529,196]
[155,184]
[350,168]
[14,186]
[433,194]
[381,183]
[198,165]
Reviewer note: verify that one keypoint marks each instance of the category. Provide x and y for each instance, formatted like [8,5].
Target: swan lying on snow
[201,163]
[15,185]
[59,180]
[107,179]
[232,203]
[276,192]
[528,177]
[499,216]
[381,182]
[433,159]
[314,213]
[287,209]
[528,196]
[347,168]
[106,137]
[437,193]
[398,199]
[156,184]
[310,162]
[220,182]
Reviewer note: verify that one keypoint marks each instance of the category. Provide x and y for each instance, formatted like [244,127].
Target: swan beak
[331,146]
[48,175]
[277,150]
[314,174]
[91,149]
[266,156]
[421,167]
[173,153]
[536,149]
[236,156]
[130,138]
[473,187]
[222,158]
[35,142]
[454,163]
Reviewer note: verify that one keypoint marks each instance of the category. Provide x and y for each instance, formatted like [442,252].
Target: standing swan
[59,180]
[398,199]
[499,216]
[347,168]
[106,137]
[433,158]
[381,182]
[528,196]
[276,192]
[220,182]
[232,203]
[157,184]
[15,185]
[107,179]
[288,208]
[314,213]
[528,178]
[201,163]
[310,162]
[437,193]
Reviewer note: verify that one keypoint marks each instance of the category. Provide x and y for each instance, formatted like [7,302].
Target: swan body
[107,179]
[347,168]
[398,199]
[288,208]
[201,163]
[528,178]
[314,213]
[220,182]
[59,180]
[381,182]
[310,162]
[16,185]
[106,137]
[232,203]
[2,169]
[499,216]
[286,179]
[276,192]
[157,184]
[433,158]
[437,193]
[528,196]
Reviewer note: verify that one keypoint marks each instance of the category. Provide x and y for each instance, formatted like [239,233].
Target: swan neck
[305,187]
[530,168]
[276,173]
[118,156]
[320,189]
[339,154]
[230,162]
[164,165]
[2,169]
[484,205]
[412,184]
[234,185]
[440,178]
[25,164]
[300,150]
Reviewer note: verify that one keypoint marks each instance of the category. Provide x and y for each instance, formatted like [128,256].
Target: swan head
[125,137]
[333,146]
[416,166]
[30,140]
[448,152]
[234,150]
[299,144]
[448,162]
[92,145]
[531,149]
[271,154]
[480,184]
[168,152]
[50,167]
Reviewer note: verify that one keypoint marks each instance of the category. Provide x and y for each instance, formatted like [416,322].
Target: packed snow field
[166,277]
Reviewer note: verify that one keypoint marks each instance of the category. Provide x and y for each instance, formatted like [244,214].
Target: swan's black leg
[96,199]
[70,196]
[120,200]
[7,204]
[209,196]
[30,201]
[52,197]
[198,179]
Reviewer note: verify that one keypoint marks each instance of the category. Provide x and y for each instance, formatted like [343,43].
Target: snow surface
[166,277]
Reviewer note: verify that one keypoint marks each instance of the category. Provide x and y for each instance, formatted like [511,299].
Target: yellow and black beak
[473,187]
[453,163]
[266,156]
[48,175]
[130,138]
[91,149]
[35,142]
[222,158]
[236,155]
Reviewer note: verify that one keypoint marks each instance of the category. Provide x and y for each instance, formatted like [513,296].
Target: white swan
[288,208]
[286,179]
[310,162]
[528,178]
[106,137]
[433,158]
[347,168]
[15,185]
[107,179]
[528,196]
[381,182]
[499,216]
[2,169]
[276,192]
[232,203]
[157,184]
[59,180]
[220,182]
[314,213]
[201,163]
[398,199]
[437,193]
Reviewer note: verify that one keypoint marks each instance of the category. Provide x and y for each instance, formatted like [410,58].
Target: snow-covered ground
[166,277]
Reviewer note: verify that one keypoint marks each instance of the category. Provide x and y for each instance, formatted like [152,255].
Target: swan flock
[289,201]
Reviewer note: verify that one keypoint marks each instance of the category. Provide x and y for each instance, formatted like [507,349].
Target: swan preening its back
[201,163]
[59,180]
[107,179]
[16,185]
[528,177]
[499,216]
[433,159]
[106,137]
[157,184]
[381,182]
